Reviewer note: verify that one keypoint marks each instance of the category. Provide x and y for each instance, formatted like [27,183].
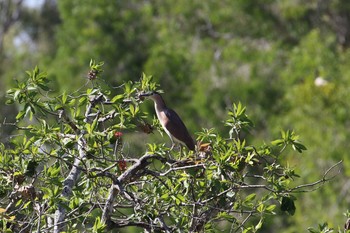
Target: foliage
[67,171]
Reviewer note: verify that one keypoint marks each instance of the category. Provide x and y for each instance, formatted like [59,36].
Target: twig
[193,218]
[38,206]
[321,181]
[163,224]
[144,225]
[109,116]
[178,168]
[243,222]
[139,165]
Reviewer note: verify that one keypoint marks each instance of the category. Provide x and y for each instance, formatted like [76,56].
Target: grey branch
[75,171]
[144,225]
[316,184]
[68,185]
[117,185]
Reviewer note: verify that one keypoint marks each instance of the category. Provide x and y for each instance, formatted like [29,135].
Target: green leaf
[44,87]
[312,230]
[98,226]
[64,98]
[36,71]
[9,101]
[261,208]
[53,171]
[93,125]
[165,196]
[27,204]
[270,208]
[277,142]
[288,205]
[16,94]
[132,110]
[31,167]
[116,98]
[259,225]
[250,197]
[246,230]
[20,115]
[298,147]
[68,142]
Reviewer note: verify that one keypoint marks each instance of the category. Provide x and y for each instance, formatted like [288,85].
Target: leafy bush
[66,170]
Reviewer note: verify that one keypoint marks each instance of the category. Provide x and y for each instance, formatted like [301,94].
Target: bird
[170,121]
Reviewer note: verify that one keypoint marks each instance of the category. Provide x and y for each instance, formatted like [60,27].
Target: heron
[170,121]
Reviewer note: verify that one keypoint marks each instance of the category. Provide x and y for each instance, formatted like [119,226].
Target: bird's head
[150,95]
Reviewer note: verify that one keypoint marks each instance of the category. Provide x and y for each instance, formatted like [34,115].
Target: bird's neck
[159,103]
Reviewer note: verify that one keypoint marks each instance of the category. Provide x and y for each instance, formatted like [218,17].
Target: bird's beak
[146,94]
[142,96]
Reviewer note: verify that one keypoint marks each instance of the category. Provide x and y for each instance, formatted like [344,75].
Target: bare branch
[321,181]
[107,117]
[163,224]
[176,169]
[243,222]
[144,225]
[138,168]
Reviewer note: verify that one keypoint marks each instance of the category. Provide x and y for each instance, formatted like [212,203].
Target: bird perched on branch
[170,121]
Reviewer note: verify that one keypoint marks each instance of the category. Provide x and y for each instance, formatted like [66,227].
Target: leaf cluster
[68,161]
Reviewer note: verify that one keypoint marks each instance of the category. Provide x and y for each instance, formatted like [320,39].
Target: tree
[10,11]
[66,170]
[119,32]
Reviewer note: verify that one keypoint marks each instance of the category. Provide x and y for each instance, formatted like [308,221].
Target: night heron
[170,121]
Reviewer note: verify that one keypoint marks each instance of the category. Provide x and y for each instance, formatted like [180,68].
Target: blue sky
[33,3]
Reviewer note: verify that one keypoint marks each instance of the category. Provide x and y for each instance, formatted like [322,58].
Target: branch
[140,165]
[62,115]
[68,185]
[321,181]
[132,172]
[107,210]
[107,117]
[243,222]
[144,225]
[176,169]
[75,171]
[103,172]
[138,169]
[163,224]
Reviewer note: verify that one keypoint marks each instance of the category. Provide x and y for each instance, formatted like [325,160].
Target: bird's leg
[171,148]
[172,145]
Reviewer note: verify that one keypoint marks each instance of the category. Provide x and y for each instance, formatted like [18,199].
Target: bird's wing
[178,128]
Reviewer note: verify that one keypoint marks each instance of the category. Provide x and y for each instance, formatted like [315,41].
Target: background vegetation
[287,61]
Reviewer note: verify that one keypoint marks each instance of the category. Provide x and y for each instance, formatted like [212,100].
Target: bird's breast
[162,118]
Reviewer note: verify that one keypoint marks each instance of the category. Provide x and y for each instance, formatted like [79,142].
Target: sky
[33,3]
